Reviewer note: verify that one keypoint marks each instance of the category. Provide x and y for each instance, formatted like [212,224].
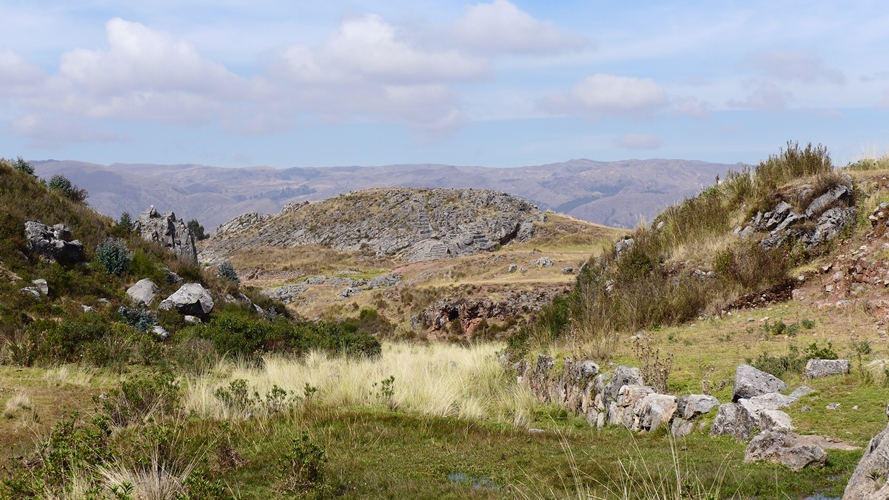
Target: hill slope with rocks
[414,224]
[617,194]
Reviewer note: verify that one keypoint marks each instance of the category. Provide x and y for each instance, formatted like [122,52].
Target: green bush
[61,184]
[22,166]
[113,254]
[238,332]
[302,467]
[155,395]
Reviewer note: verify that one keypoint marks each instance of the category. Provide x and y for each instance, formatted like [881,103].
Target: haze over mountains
[617,194]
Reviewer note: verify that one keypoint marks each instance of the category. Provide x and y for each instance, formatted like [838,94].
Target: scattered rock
[191,299]
[818,368]
[53,243]
[512,268]
[568,270]
[734,420]
[348,292]
[784,447]
[38,289]
[750,382]
[832,406]
[623,245]
[542,262]
[160,331]
[192,319]
[87,309]
[144,291]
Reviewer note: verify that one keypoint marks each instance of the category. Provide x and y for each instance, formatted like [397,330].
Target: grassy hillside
[249,405]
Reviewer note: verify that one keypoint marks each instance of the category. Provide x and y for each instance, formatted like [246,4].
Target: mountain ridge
[618,194]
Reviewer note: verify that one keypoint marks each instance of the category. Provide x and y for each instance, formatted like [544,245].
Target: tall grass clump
[685,263]
[439,380]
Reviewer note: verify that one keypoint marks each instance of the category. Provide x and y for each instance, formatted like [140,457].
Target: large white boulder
[191,298]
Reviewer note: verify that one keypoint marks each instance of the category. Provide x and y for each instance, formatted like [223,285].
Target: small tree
[227,270]
[197,230]
[61,183]
[125,221]
[22,166]
[112,253]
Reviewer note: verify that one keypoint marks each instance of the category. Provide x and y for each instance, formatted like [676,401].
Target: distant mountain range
[617,194]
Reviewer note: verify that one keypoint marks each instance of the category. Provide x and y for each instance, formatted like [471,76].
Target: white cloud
[16,71]
[639,142]
[604,95]
[500,27]
[692,108]
[367,68]
[766,96]
[799,65]
[55,132]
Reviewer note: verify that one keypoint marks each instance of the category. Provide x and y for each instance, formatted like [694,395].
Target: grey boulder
[689,407]
[868,480]
[143,291]
[786,448]
[623,375]
[817,368]
[191,299]
[750,382]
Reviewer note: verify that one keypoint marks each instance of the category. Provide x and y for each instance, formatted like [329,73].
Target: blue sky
[499,83]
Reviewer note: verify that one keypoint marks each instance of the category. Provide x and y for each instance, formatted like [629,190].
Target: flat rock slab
[818,368]
[750,382]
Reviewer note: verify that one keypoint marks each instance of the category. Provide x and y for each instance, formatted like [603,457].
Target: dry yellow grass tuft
[438,379]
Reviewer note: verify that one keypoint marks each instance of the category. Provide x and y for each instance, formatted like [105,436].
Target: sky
[500,83]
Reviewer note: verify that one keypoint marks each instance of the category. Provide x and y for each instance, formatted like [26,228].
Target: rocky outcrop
[414,224]
[191,298]
[167,230]
[144,291]
[786,448]
[823,219]
[818,368]
[750,382]
[53,242]
[241,223]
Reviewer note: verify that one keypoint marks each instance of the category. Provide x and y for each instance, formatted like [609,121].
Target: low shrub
[302,467]
[155,396]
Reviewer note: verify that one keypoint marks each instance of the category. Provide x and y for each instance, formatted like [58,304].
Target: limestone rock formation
[168,230]
[192,299]
[750,382]
[53,243]
[414,224]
